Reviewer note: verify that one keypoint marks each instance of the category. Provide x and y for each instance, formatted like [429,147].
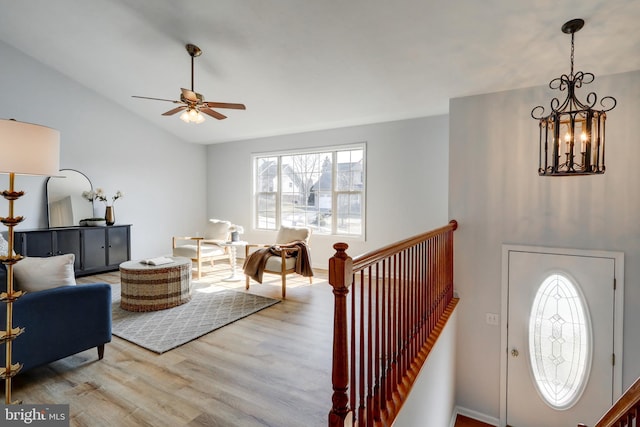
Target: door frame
[618,259]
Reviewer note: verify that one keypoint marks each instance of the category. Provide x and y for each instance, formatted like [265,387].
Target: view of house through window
[323,190]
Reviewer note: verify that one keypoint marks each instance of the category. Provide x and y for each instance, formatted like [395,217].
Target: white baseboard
[473,414]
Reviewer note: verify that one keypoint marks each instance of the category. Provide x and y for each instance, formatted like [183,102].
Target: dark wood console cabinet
[97,249]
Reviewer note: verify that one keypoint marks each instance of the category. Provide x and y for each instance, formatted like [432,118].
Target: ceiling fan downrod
[194,51]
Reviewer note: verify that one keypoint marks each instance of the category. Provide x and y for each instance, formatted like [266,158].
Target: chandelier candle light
[27,149]
[572,135]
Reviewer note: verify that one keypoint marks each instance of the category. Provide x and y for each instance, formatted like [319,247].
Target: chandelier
[572,135]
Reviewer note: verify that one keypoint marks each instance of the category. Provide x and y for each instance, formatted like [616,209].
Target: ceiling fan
[193,103]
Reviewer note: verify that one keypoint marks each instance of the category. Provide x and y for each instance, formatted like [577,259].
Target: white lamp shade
[28,149]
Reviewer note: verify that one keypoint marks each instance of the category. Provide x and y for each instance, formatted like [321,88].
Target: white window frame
[334,193]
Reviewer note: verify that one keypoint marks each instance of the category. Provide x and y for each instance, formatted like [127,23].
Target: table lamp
[27,149]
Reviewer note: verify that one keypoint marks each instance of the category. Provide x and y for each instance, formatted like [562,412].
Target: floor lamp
[27,149]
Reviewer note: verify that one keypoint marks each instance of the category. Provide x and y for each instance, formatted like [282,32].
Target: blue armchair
[59,322]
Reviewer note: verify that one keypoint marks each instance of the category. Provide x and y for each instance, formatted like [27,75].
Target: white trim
[311,150]
[470,413]
[618,260]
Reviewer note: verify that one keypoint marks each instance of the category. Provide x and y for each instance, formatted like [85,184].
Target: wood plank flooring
[462,421]
[269,369]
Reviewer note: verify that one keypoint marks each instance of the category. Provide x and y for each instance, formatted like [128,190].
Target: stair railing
[625,412]
[390,306]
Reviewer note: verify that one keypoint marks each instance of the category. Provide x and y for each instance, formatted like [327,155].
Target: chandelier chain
[572,49]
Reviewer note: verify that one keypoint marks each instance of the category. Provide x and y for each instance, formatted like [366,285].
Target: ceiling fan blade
[225,105]
[156,99]
[213,113]
[175,110]
[189,95]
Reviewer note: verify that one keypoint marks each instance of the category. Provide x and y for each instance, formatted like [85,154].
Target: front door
[559,338]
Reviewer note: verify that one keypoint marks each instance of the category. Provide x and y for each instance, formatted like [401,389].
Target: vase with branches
[100,195]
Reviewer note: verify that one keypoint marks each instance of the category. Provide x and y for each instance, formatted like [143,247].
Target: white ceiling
[307,65]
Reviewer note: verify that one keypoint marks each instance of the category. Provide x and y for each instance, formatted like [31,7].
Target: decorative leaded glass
[560,341]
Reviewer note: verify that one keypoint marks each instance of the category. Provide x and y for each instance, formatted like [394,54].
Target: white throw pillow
[293,234]
[218,230]
[34,274]
[4,246]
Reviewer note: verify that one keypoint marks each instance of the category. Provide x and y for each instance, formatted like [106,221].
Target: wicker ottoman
[155,287]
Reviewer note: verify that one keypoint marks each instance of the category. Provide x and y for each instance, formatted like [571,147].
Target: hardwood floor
[462,421]
[269,369]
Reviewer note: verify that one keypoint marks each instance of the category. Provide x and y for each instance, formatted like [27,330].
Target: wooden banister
[390,306]
[625,412]
[379,254]
[340,266]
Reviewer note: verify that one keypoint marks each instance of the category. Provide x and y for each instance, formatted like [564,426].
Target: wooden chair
[285,263]
[201,249]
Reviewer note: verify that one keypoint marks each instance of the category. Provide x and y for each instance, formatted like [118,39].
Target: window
[323,190]
[560,342]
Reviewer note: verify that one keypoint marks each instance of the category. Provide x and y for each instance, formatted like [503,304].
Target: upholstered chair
[206,248]
[285,255]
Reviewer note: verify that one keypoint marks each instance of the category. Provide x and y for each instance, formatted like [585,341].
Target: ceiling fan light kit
[192,104]
[192,116]
[572,135]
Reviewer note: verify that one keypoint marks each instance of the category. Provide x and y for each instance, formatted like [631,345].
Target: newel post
[340,277]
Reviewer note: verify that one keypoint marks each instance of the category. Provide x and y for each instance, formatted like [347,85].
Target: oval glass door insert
[560,342]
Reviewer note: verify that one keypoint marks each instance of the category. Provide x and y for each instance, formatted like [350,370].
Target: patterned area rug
[163,330]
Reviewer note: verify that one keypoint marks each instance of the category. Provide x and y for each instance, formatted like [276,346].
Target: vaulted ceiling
[302,65]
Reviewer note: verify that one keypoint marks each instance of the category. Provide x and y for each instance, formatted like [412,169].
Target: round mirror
[65,203]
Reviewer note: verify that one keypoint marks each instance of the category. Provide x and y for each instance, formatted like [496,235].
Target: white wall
[163,178]
[497,197]
[431,401]
[406,180]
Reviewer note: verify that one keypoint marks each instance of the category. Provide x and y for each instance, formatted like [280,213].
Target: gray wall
[162,177]
[497,196]
[406,180]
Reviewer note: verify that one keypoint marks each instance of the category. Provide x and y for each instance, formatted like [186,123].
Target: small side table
[146,287]
[233,247]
